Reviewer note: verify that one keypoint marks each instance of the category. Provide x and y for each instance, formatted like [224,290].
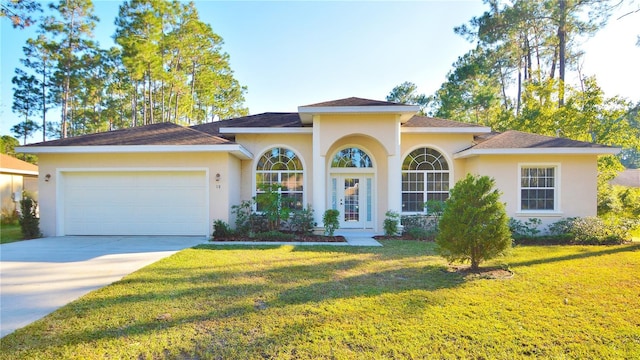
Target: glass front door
[351,195]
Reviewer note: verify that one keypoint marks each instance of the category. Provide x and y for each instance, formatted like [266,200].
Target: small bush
[301,221]
[9,217]
[593,230]
[273,235]
[419,222]
[330,220]
[417,233]
[391,222]
[242,213]
[527,228]
[29,222]
[435,209]
[474,225]
[221,230]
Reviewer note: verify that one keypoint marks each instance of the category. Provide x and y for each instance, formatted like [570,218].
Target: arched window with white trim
[425,176]
[281,166]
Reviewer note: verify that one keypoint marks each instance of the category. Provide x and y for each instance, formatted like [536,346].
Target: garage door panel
[135,203]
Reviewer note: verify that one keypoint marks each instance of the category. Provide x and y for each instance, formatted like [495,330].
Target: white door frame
[364,203]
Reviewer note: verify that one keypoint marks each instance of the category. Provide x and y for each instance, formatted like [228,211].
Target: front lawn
[398,301]
[10,233]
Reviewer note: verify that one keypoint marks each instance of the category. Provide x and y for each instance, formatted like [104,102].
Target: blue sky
[298,53]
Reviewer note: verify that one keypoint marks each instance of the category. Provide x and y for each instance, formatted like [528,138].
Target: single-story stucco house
[16,177]
[362,157]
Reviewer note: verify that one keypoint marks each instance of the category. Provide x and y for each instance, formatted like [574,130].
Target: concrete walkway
[39,276]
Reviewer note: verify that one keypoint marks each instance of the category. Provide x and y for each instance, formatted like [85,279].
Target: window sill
[534,213]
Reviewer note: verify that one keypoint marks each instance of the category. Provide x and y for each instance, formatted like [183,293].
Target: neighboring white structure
[362,157]
[16,176]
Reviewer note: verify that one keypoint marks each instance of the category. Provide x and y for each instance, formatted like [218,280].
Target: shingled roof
[270,119]
[425,121]
[11,165]
[354,101]
[154,134]
[513,139]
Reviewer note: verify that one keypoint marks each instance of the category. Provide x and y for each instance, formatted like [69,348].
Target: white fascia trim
[18,172]
[537,151]
[405,111]
[446,130]
[261,130]
[235,149]
[393,109]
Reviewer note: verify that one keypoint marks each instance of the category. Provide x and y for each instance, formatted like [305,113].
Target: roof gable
[154,134]
[353,101]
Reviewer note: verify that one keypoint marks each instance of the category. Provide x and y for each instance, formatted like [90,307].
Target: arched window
[351,158]
[281,166]
[425,176]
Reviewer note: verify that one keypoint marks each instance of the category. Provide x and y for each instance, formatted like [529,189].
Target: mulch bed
[494,273]
[297,238]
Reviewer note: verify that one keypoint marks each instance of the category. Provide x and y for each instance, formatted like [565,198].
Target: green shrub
[527,228]
[221,230]
[435,209]
[474,225]
[594,230]
[330,220]
[301,221]
[274,235]
[417,233]
[9,217]
[242,213]
[273,205]
[29,222]
[391,222]
[419,223]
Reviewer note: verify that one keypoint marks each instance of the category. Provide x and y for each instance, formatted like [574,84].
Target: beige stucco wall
[222,193]
[446,144]
[382,127]
[577,189]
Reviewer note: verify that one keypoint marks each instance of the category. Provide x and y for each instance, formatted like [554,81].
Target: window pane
[537,188]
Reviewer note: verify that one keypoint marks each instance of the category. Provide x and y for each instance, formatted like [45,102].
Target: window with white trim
[425,176]
[538,188]
[281,166]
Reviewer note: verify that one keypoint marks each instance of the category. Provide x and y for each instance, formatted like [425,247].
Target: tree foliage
[406,93]
[168,66]
[20,12]
[474,226]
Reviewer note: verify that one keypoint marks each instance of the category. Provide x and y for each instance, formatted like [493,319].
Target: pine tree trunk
[562,33]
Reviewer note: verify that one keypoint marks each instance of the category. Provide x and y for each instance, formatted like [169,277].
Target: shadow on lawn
[607,251]
[214,292]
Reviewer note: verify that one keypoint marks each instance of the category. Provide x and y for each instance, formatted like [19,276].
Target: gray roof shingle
[154,134]
[270,119]
[513,139]
[354,101]
[425,121]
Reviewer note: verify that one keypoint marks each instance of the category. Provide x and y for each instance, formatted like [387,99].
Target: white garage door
[135,203]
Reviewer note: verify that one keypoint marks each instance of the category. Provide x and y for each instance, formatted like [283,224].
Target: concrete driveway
[39,276]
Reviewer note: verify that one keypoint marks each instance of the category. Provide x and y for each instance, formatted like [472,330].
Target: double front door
[352,195]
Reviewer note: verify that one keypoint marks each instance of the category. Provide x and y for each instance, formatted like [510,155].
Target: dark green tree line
[168,66]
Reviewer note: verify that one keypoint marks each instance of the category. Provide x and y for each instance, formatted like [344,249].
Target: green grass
[398,301]
[10,233]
